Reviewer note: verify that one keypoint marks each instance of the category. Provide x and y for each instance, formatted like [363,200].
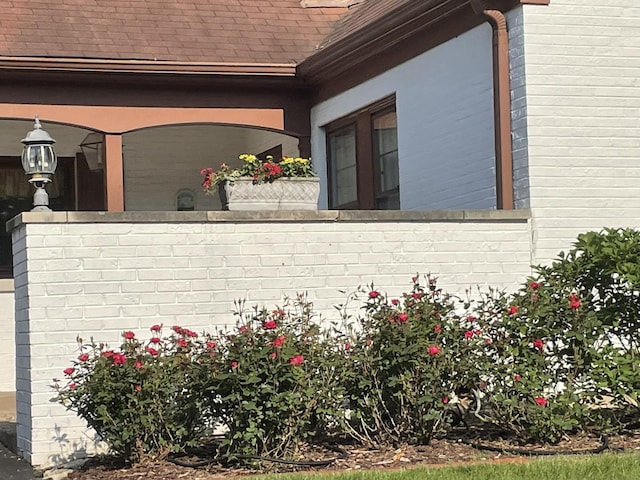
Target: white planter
[281,194]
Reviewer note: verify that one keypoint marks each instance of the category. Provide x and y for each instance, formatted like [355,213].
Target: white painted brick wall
[583,118]
[444,103]
[8,351]
[100,279]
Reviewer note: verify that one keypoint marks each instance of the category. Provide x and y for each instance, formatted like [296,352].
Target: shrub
[277,388]
[145,398]
[412,366]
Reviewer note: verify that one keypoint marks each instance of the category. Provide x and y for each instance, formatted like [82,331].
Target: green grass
[604,466]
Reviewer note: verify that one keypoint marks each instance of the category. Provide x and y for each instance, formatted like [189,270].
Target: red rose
[471,318]
[270,324]
[72,386]
[107,354]
[414,279]
[513,309]
[403,317]
[534,285]
[347,346]
[296,360]
[156,328]
[138,388]
[445,399]
[539,344]
[152,351]
[83,357]
[211,344]
[183,343]
[155,340]
[189,333]
[138,365]
[541,401]
[177,329]
[574,302]
[395,301]
[374,294]
[274,355]
[119,359]
[416,295]
[437,329]
[278,341]
[234,364]
[433,350]
[69,371]
[129,335]
[517,377]
[243,329]
[488,341]
[468,334]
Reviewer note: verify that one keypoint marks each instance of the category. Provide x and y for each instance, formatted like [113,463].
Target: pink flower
[270,324]
[296,360]
[243,329]
[183,343]
[83,357]
[189,333]
[152,351]
[414,279]
[211,344]
[433,350]
[234,364]
[437,328]
[488,341]
[156,328]
[138,388]
[416,295]
[347,346]
[541,401]
[471,318]
[129,335]
[517,377]
[395,301]
[155,340]
[138,365]
[468,334]
[445,399]
[574,302]
[374,294]
[539,344]
[107,354]
[534,285]
[69,371]
[72,386]
[274,355]
[513,309]
[403,317]
[278,341]
[119,359]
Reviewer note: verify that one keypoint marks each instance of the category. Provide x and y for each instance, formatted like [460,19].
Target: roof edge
[146,66]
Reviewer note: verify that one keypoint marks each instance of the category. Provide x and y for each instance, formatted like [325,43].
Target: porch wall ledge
[272,216]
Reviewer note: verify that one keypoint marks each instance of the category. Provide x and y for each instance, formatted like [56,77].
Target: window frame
[367,173]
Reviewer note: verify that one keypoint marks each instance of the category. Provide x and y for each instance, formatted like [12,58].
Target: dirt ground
[353,458]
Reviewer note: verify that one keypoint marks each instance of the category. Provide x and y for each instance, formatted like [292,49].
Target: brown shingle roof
[239,31]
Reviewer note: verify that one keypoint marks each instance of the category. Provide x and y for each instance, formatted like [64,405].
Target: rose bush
[145,398]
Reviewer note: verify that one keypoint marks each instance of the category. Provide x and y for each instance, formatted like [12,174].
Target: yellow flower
[249,158]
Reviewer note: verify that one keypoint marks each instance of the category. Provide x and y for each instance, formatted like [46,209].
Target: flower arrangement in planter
[288,184]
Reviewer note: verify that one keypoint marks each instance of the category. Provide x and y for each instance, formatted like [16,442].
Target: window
[362,158]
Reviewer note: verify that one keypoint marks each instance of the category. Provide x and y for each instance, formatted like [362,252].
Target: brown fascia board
[378,37]
[51,64]
[368,42]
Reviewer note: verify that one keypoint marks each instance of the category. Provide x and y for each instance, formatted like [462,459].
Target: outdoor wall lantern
[39,161]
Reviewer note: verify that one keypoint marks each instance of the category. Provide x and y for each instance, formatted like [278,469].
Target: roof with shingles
[236,31]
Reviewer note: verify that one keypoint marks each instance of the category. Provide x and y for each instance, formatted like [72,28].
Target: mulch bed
[352,458]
